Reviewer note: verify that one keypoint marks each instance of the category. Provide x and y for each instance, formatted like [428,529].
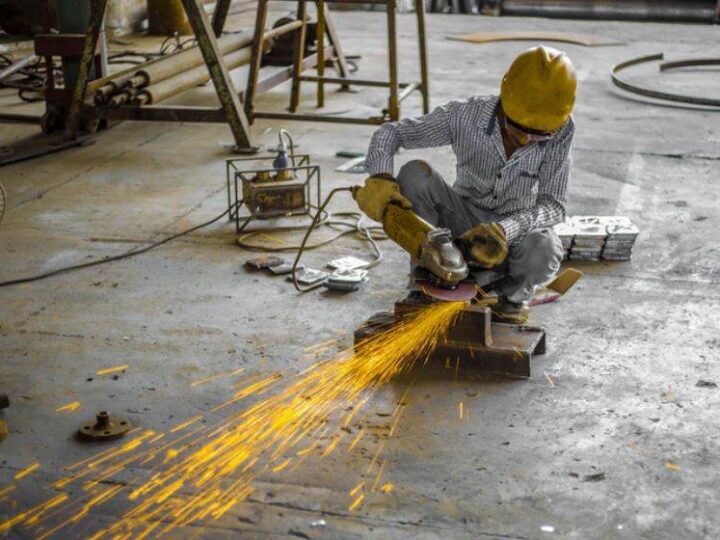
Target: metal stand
[473,343]
[333,53]
[58,101]
[231,110]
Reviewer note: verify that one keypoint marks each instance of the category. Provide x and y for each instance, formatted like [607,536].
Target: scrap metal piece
[266,261]
[105,427]
[346,280]
[563,37]
[658,94]
[4,401]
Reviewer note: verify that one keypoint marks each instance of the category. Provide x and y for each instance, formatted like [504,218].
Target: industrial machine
[283,184]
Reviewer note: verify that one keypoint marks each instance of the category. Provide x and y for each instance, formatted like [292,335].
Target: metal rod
[218,72]
[188,79]
[393,104]
[256,59]
[667,10]
[342,80]
[320,37]
[408,90]
[338,53]
[97,14]
[166,114]
[298,54]
[376,121]
[655,94]
[19,118]
[422,45]
[222,8]
[189,58]
[16,66]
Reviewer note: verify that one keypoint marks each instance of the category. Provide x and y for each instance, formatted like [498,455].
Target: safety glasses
[531,134]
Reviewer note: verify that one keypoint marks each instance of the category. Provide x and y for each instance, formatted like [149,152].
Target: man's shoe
[509,312]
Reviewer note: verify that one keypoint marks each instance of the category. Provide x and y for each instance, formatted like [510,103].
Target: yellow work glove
[485,245]
[374,197]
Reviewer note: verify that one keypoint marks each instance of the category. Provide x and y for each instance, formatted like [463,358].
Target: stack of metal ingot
[591,238]
[621,235]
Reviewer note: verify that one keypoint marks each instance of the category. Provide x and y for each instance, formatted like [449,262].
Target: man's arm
[431,130]
[553,178]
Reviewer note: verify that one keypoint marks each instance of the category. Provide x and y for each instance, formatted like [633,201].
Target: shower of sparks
[108,371]
[70,407]
[202,470]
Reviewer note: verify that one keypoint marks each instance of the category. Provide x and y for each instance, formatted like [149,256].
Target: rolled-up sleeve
[429,131]
[553,180]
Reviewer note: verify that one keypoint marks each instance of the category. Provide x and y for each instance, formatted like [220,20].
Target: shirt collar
[489,117]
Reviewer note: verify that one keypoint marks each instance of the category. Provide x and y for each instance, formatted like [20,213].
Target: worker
[512,168]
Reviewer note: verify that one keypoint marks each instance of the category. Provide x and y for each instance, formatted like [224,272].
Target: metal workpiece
[659,94]
[474,343]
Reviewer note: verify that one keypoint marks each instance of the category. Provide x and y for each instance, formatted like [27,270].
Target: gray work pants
[531,261]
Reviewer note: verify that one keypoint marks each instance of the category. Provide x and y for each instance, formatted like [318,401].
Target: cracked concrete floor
[610,438]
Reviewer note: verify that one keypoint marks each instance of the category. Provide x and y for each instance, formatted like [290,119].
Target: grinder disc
[464,291]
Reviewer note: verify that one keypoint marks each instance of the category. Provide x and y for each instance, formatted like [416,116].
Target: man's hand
[485,245]
[377,193]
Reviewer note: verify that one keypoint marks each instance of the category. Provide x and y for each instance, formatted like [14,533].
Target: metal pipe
[16,66]
[657,94]
[185,60]
[188,79]
[662,10]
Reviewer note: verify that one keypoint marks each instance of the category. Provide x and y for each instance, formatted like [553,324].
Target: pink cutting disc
[464,292]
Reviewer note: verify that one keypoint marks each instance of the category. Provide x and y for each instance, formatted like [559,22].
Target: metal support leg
[218,72]
[393,103]
[256,60]
[298,56]
[425,84]
[86,61]
[222,8]
[320,36]
[332,36]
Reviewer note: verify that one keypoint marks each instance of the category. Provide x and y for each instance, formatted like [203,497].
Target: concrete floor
[615,394]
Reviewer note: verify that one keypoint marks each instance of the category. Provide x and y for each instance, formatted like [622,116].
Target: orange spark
[70,407]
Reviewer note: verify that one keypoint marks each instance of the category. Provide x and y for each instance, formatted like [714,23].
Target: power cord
[371,234]
[345,222]
[125,255]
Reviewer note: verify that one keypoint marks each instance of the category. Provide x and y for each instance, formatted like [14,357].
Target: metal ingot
[105,427]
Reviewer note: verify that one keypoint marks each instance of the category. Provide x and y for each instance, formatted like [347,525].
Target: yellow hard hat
[538,90]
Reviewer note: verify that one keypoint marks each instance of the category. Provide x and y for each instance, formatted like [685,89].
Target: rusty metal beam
[222,8]
[229,99]
[166,114]
[97,15]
